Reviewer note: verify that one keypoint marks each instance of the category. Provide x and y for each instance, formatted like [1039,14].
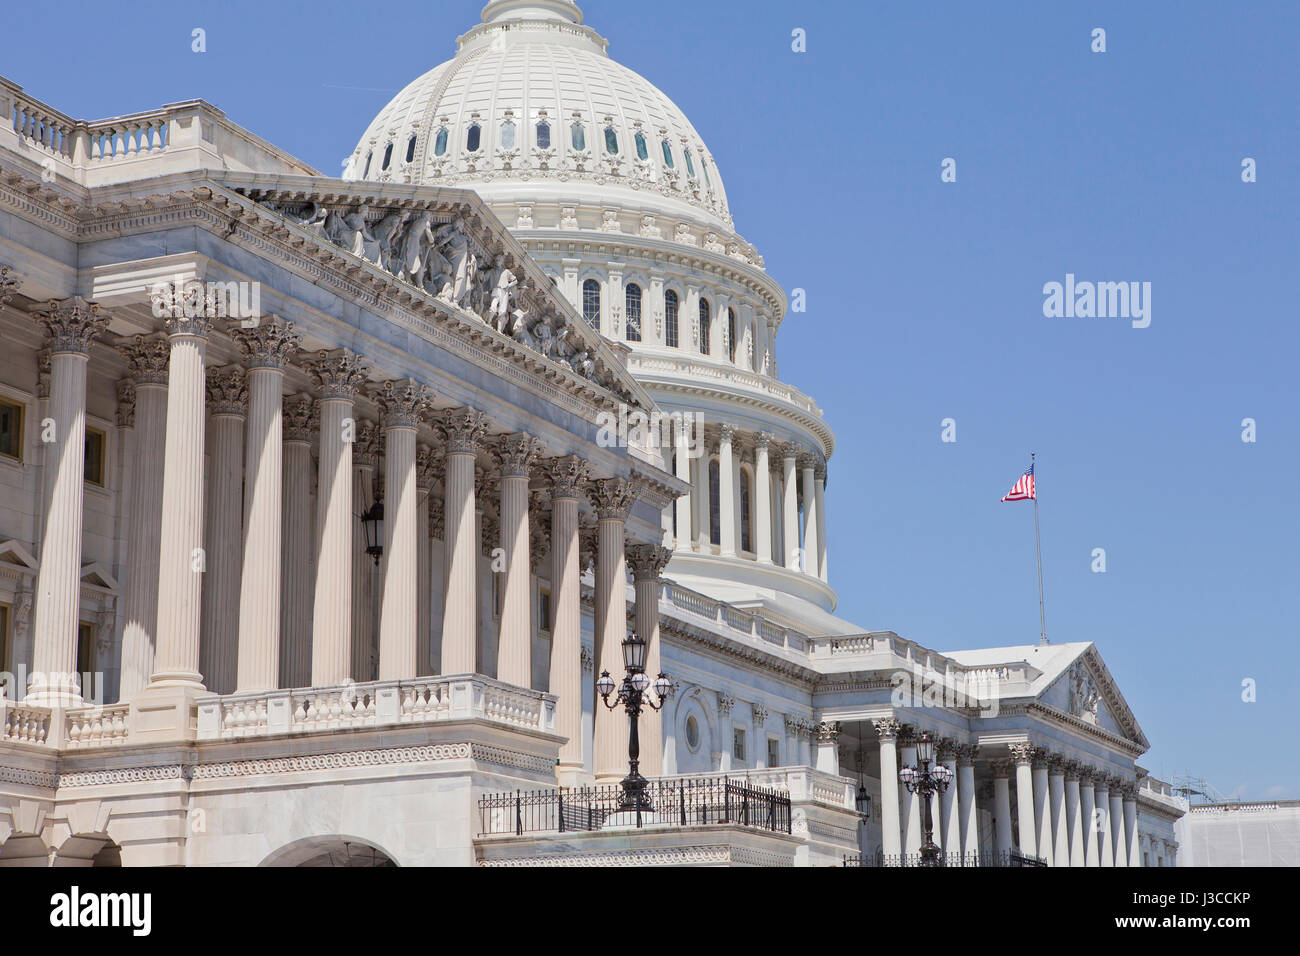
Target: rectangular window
[738,744]
[4,638]
[773,752]
[96,445]
[85,648]
[496,595]
[543,610]
[11,429]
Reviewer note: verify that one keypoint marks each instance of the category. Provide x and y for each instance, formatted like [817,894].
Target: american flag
[1023,490]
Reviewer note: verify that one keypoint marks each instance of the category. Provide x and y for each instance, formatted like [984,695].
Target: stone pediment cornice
[1089,665]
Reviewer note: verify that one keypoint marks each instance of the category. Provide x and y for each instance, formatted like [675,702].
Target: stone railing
[374,704]
[23,723]
[802,783]
[737,619]
[96,726]
[730,376]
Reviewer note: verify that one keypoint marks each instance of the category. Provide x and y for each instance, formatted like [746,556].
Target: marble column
[947,822]
[683,425]
[567,476]
[296,543]
[762,511]
[1023,756]
[1117,822]
[516,455]
[227,393]
[1002,807]
[1073,820]
[828,747]
[1043,808]
[463,430]
[339,375]
[703,513]
[70,326]
[911,804]
[890,825]
[181,556]
[265,347]
[970,835]
[428,471]
[811,547]
[647,562]
[403,404]
[1101,796]
[612,499]
[1130,827]
[1088,814]
[819,504]
[790,508]
[146,358]
[727,491]
[1060,828]
[365,459]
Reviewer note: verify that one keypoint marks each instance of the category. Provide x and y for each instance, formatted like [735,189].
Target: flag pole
[1038,548]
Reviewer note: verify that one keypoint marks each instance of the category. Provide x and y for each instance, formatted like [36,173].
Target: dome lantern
[563,10]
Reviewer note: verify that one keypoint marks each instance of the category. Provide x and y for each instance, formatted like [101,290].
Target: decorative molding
[71,324]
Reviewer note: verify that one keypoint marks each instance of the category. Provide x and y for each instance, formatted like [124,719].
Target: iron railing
[676,802]
[947,860]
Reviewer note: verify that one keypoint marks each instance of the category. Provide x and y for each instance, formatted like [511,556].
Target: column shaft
[566,625]
[970,836]
[811,549]
[762,511]
[1002,815]
[397,615]
[1043,813]
[1074,821]
[1025,801]
[332,605]
[295,566]
[1130,830]
[890,824]
[790,512]
[143,537]
[611,628]
[1060,829]
[514,653]
[1088,813]
[727,492]
[1107,847]
[819,504]
[682,469]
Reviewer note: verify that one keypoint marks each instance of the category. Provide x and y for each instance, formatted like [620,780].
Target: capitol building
[325,503]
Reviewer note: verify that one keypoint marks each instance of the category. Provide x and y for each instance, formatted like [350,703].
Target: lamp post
[632,695]
[373,523]
[924,782]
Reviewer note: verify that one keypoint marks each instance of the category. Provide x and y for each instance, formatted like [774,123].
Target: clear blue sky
[925,298]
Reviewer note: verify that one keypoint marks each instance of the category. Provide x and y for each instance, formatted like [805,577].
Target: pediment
[15,554]
[1086,691]
[97,575]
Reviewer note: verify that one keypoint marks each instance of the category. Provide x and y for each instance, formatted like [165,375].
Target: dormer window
[579,136]
[440,143]
[642,150]
[668,155]
[543,135]
[690,166]
[388,156]
[611,141]
[508,134]
[474,138]
[410,149]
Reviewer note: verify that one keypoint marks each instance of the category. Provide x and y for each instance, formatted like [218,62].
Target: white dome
[475,119]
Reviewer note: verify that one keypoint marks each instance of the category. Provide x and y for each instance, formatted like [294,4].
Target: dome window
[731,333]
[704,327]
[591,303]
[474,138]
[704,164]
[746,543]
[369,156]
[508,134]
[410,149]
[668,156]
[543,135]
[440,144]
[611,141]
[388,156]
[671,325]
[690,166]
[634,313]
[579,138]
[642,151]
[715,511]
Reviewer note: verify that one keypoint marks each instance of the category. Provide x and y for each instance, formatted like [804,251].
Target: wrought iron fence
[677,802]
[947,860]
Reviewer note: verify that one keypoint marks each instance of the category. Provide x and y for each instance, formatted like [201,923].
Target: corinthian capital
[517,453]
[267,344]
[299,418]
[887,728]
[146,358]
[339,374]
[613,497]
[1022,753]
[647,561]
[71,324]
[827,731]
[463,430]
[8,285]
[403,403]
[227,391]
[568,475]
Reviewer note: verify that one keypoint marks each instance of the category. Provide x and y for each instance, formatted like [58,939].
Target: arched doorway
[330,851]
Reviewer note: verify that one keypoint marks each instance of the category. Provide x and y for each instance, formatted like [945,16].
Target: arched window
[543,135]
[671,303]
[715,513]
[369,156]
[579,137]
[410,149]
[668,155]
[634,313]
[473,138]
[388,156]
[746,541]
[690,165]
[508,134]
[731,333]
[611,141]
[642,151]
[440,144]
[704,164]
[591,303]
[705,345]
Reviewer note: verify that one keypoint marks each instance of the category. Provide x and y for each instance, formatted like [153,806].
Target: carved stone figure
[418,236]
[503,289]
[364,243]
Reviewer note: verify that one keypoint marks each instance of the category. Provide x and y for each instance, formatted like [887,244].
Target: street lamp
[632,694]
[925,783]
[863,800]
[373,523]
